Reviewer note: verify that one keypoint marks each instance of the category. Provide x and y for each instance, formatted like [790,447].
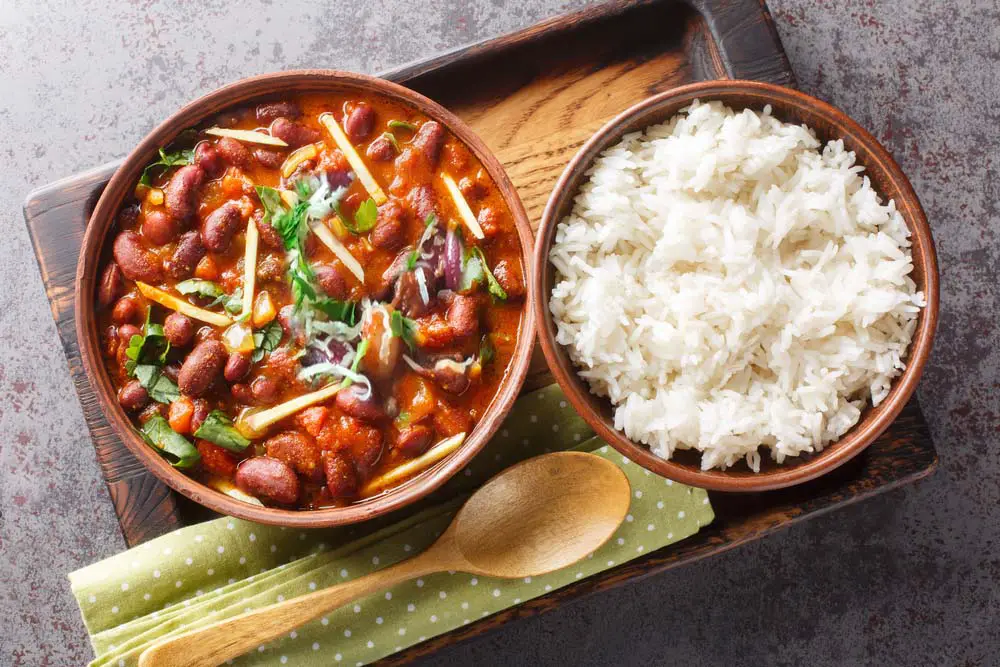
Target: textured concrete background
[912,577]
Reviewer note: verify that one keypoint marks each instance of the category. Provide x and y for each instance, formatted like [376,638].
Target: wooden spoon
[538,516]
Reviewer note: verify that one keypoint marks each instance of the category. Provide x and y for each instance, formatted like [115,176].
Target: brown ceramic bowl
[887,178]
[97,241]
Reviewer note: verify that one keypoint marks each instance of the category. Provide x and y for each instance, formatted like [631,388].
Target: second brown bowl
[888,180]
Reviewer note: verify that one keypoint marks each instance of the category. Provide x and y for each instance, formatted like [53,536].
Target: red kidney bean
[208,158]
[234,153]
[264,389]
[331,281]
[133,396]
[292,133]
[389,232]
[205,333]
[133,259]
[270,111]
[128,216]
[181,193]
[380,150]
[423,202]
[510,277]
[241,392]
[268,478]
[473,190]
[186,256]
[200,414]
[341,476]
[414,440]
[110,339]
[201,366]
[126,311]
[463,315]
[272,159]
[126,331]
[489,221]
[111,285]
[237,366]
[159,228]
[350,402]
[269,236]
[172,371]
[360,122]
[299,451]
[271,268]
[179,329]
[428,140]
[408,298]
[220,225]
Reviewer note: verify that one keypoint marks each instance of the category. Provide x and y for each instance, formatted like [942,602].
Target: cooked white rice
[729,286]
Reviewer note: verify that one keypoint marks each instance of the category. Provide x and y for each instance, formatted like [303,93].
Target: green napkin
[213,570]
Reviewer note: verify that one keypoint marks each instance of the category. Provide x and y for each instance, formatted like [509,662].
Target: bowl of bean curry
[302,299]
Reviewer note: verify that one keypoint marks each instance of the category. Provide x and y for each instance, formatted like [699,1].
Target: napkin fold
[221,568]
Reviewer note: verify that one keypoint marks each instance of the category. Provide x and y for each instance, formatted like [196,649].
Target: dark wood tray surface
[535,96]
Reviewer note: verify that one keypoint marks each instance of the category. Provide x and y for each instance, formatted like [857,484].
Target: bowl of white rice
[737,286]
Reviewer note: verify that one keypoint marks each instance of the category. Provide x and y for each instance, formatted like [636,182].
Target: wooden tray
[535,96]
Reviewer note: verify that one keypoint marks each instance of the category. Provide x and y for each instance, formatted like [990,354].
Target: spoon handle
[215,643]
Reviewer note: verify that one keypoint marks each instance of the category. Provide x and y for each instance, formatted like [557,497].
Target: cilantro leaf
[472,272]
[174,447]
[271,199]
[495,290]
[266,340]
[218,429]
[364,218]
[403,327]
[166,160]
[341,311]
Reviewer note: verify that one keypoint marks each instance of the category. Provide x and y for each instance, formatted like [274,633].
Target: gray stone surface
[908,578]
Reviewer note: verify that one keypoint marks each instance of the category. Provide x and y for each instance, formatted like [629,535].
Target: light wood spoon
[536,517]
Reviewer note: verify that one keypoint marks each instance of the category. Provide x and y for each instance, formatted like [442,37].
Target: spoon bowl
[587,499]
[536,517]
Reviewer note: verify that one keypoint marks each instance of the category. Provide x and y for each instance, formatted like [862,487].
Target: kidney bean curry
[312,299]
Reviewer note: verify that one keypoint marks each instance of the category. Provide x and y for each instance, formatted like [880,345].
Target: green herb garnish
[363,220]
[149,348]
[403,327]
[166,160]
[339,311]
[472,271]
[266,340]
[159,387]
[402,125]
[174,447]
[391,138]
[487,351]
[292,225]
[495,290]
[218,429]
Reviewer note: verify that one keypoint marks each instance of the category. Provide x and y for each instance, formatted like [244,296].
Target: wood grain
[653,45]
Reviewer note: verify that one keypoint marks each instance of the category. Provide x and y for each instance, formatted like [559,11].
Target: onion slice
[248,136]
[357,164]
[170,301]
[412,467]
[324,234]
[452,260]
[468,217]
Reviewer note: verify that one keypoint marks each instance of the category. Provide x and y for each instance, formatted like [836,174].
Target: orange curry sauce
[190,223]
